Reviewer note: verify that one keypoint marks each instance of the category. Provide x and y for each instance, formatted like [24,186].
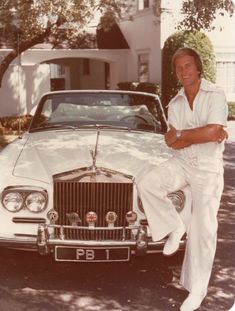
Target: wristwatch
[178,134]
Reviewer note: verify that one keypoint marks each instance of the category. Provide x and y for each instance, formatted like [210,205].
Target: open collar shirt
[209,107]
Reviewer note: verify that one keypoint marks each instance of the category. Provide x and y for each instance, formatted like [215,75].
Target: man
[197,116]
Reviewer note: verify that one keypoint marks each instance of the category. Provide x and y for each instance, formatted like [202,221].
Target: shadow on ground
[31,282]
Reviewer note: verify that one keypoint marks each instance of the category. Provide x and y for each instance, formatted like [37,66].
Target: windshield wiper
[104,126]
[46,127]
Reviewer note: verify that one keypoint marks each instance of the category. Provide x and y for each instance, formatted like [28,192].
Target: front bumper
[45,243]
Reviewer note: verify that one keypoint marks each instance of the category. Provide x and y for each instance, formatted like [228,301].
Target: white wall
[21,88]
[23,85]
[143,35]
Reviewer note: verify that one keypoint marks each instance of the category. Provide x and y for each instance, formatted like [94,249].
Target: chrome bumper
[45,243]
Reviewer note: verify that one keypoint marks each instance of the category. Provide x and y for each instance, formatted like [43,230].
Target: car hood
[49,153]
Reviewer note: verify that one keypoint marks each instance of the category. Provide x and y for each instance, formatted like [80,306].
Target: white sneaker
[173,242]
[192,302]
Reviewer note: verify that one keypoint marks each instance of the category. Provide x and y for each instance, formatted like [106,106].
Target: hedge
[14,124]
[147,87]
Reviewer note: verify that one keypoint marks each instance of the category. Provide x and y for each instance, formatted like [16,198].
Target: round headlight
[13,201]
[35,202]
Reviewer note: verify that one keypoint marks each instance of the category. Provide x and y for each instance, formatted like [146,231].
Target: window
[143,4]
[143,67]
[225,76]
[57,71]
[86,66]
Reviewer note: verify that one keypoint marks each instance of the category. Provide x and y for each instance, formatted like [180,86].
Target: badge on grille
[53,216]
[73,218]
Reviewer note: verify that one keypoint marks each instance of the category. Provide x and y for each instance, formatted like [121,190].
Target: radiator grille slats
[101,197]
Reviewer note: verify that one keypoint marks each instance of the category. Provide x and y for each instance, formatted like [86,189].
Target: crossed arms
[199,135]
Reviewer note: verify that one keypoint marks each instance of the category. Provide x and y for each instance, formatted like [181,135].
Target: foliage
[25,23]
[147,87]
[200,14]
[15,123]
[195,40]
[127,86]
[231,110]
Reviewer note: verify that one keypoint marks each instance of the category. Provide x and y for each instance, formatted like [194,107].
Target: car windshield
[118,110]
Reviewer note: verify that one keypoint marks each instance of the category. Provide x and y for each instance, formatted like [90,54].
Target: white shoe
[192,302]
[173,242]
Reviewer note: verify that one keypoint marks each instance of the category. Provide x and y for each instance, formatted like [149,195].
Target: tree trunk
[22,47]
[6,62]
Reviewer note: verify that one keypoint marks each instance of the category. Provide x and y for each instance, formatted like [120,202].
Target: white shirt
[209,107]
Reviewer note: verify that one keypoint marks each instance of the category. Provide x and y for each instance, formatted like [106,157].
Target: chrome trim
[28,220]
[30,243]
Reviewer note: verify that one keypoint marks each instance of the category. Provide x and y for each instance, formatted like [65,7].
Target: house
[131,51]
[134,56]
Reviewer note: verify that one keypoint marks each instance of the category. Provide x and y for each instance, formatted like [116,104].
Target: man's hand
[170,136]
[223,135]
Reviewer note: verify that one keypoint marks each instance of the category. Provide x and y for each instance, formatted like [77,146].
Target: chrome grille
[99,197]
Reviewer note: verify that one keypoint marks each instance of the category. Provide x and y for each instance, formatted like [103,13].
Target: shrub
[147,87]
[231,110]
[127,86]
[15,123]
[195,40]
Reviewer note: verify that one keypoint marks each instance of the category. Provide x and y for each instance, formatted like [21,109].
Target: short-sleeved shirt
[209,107]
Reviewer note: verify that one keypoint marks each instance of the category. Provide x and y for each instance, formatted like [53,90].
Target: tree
[195,40]
[25,23]
[200,14]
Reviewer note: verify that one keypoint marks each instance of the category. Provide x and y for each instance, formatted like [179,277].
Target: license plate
[88,254]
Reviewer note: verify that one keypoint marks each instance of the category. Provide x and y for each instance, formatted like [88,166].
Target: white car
[67,185]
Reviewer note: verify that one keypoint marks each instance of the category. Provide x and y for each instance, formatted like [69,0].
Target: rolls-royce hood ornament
[95,152]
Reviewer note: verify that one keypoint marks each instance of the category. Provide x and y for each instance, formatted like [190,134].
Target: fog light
[91,218]
[131,217]
[111,217]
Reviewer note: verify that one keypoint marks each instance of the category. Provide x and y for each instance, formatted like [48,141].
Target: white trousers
[206,189]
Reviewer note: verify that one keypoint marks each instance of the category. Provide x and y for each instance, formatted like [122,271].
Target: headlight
[16,198]
[178,200]
[35,202]
[13,201]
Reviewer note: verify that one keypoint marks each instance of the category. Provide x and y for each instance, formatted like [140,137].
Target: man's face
[186,70]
